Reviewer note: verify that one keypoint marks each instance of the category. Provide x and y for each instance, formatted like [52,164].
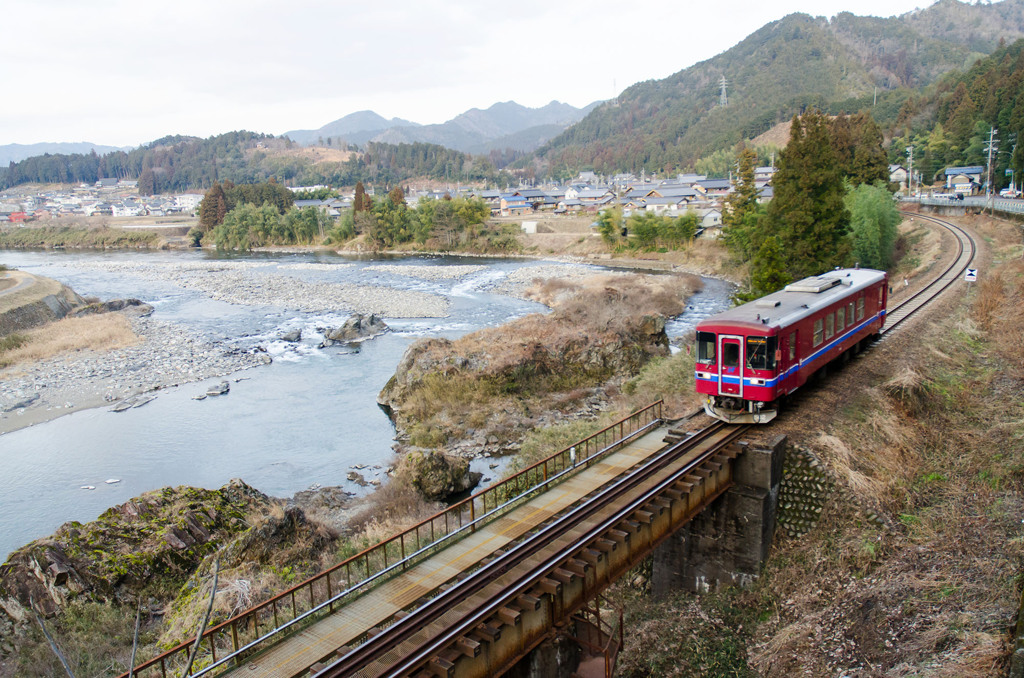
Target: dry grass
[391,508]
[102,332]
[908,389]
[602,328]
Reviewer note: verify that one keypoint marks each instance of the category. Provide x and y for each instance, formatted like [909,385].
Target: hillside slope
[784,67]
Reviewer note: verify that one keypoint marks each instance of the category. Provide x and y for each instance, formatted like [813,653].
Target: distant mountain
[781,69]
[503,125]
[16,152]
[356,128]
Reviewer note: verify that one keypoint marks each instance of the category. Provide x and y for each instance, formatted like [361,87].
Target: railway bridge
[477,589]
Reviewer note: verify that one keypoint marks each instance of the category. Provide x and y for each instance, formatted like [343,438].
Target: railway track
[966,252]
[453,618]
[414,645]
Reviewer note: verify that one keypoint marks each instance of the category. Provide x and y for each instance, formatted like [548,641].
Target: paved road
[21,281]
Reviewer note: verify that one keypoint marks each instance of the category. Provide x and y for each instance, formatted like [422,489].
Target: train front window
[706,347]
[730,354]
[761,353]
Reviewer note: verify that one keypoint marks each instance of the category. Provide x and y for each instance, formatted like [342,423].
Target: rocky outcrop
[133,307]
[356,328]
[41,301]
[523,370]
[150,544]
[437,476]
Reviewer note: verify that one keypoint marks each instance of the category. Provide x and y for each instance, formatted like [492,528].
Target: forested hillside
[176,164]
[783,68]
[951,125]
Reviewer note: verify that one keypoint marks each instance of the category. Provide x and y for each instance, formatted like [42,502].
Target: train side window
[792,346]
[880,293]
[730,354]
[817,331]
[841,318]
[830,326]
[849,313]
[761,353]
[860,309]
[706,347]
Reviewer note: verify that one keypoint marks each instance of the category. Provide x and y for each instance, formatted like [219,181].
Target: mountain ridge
[472,131]
[787,65]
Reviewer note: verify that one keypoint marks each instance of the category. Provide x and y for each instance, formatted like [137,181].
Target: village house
[966,180]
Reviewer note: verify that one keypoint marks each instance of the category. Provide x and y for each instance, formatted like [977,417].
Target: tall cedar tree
[869,162]
[360,203]
[740,206]
[213,208]
[807,213]
[857,141]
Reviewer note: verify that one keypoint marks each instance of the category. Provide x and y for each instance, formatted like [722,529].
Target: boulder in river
[134,307]
[437,476]
[356,328]
[292,337]
[218,389]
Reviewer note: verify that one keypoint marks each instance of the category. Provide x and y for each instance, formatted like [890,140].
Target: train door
[730,375]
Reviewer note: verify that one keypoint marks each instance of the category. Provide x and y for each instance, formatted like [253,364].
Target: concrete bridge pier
[728,543]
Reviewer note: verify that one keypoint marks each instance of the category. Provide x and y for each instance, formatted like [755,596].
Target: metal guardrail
[242,634]
[978,202]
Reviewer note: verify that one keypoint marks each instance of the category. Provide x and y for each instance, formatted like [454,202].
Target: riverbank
[167,355]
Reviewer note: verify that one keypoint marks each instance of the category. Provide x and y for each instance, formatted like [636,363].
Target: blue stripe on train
[769,383]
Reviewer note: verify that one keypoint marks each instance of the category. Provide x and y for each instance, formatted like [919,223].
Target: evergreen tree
[807,213]
[740,205]
[360,202]
[868,163]
[768,272]
[213,208]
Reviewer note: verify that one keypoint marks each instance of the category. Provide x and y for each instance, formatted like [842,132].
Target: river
[305,419]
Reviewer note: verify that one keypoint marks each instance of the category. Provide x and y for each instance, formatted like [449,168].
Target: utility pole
[910,173]
[992,141]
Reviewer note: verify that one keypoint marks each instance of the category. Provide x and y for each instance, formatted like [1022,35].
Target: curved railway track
[410,643]
[966,251]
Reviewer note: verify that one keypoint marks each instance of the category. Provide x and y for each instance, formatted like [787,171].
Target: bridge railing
[227,642]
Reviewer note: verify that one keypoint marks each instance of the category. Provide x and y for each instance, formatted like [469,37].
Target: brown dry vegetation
[102,332]
[497,378]
[914,567]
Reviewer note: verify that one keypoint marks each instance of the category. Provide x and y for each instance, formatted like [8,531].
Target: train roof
[797,300]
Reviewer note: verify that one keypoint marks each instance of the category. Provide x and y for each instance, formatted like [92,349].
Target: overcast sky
[126,72]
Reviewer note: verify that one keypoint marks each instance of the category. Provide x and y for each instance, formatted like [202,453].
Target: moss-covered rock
[147,546]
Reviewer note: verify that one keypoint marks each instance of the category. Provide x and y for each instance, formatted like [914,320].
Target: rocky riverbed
[167,355]
[254,283]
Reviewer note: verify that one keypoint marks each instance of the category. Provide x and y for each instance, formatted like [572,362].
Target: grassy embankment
[914,565]
[102,332]
[76,237]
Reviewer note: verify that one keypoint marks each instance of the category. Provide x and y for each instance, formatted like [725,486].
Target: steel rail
[967,250]
[380,644]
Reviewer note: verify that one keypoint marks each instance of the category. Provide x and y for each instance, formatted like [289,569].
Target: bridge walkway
[294,655]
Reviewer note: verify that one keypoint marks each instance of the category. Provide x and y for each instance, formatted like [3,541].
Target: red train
[750,356]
